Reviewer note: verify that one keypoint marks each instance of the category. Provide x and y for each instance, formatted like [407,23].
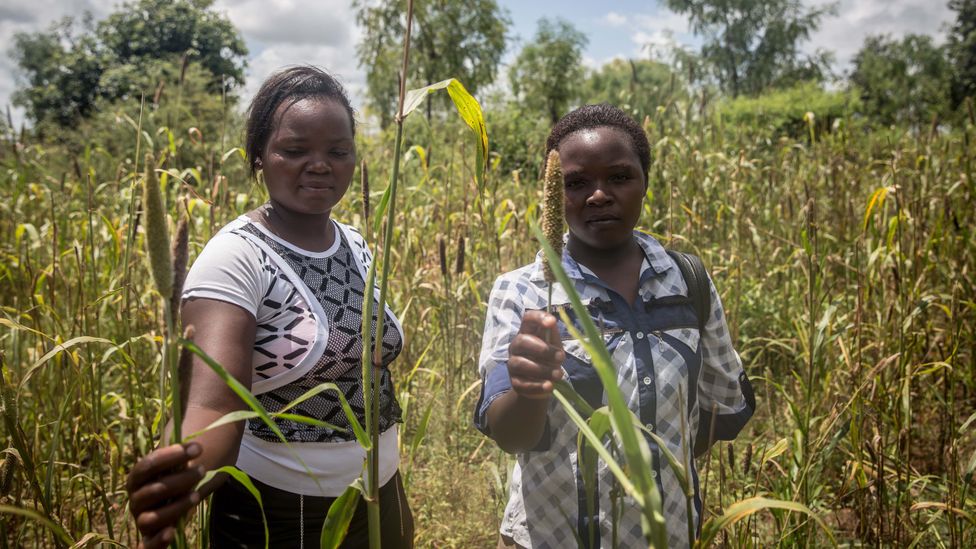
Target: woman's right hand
[161,489]
[535,356]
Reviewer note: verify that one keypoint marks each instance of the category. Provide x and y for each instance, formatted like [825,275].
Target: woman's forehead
[600,138]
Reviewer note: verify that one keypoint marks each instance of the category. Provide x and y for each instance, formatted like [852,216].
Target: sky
[324,32]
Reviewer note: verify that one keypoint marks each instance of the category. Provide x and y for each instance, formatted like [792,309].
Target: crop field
[845,257]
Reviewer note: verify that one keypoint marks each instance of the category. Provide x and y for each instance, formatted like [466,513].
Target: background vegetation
[836,217]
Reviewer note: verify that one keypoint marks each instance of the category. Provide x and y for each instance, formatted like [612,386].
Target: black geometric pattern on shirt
[325,407]
[283,300]
[336,283]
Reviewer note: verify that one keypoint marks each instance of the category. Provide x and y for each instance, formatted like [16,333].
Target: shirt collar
[656,260]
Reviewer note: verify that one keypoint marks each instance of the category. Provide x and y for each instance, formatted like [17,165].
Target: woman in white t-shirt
[276,297]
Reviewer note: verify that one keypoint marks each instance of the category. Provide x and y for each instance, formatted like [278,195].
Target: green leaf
[235,386]
[381,209]
[340,515]
[742,509]
[357,427]
[232,417]
[597,445]
[240,476]
[469,109]
[54,527]
[58,349]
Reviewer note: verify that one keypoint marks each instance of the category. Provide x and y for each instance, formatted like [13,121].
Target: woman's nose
[598,197]
[319,164]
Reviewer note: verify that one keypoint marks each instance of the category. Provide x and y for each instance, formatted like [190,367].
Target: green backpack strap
[696,278]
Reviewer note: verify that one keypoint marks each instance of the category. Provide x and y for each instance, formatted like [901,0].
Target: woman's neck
[601,259]
[312,232]
[618,267]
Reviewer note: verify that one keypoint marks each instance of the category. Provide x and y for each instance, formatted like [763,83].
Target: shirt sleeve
[501,325]
[725,396]
[228,269]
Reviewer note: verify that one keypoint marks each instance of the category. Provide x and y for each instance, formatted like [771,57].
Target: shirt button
[640,335]
[647,380]
[653,473]
[650,427]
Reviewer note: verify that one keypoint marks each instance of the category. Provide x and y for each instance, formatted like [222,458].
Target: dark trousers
[235,519]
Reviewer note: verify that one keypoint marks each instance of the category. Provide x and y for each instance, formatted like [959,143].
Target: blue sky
[323,32]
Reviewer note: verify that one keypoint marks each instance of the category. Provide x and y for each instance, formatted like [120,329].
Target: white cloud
[289,32]
[614,19]
[857,19]
[652,35]
[336,60]
[326,22]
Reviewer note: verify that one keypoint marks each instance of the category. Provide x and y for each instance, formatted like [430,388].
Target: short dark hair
[602,116]
[288,84]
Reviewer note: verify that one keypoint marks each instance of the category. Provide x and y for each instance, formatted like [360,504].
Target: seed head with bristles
[459,262]
[364,179]
[157,231]
[552,211]
[442,254]
[181,253]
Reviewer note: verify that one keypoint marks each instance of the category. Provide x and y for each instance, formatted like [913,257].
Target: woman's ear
[258,164]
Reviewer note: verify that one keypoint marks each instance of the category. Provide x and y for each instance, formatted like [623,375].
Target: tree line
[749,48]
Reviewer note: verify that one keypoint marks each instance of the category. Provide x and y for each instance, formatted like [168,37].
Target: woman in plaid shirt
[669,362]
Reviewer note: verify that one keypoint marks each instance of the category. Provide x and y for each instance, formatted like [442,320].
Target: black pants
[235,520]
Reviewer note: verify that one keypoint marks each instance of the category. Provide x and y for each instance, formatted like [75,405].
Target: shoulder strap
[696,278]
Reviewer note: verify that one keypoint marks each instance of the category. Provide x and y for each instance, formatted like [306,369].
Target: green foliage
[145,30]
[962,50]
[62,73]
[450,39]
[638,86]
[518,139]
[547,73]
[69,69]
[905,80]
[785,111]
[754,45]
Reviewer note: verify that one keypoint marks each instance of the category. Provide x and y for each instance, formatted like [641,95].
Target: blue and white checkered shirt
[664,367]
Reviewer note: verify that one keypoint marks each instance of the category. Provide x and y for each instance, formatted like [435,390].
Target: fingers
[153,494]
[153,524]
[534,364]
[160,461]
[531,380]
[161,540]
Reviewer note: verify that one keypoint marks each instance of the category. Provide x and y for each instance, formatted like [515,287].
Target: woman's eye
[619,177]
[573,183]
[340,153]
[294,152]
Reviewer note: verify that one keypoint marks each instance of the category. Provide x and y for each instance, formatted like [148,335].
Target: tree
[903,80]
[753,45]
[638,86]
[62,73]
[548,72]
[70,67]
[450,38]
[962,50]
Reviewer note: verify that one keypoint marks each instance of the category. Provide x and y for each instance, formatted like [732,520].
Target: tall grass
[845,259]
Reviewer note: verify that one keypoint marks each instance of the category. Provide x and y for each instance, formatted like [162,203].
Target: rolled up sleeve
[502,323]
[725,397]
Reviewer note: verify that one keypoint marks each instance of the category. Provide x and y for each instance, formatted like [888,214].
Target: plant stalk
[372,460]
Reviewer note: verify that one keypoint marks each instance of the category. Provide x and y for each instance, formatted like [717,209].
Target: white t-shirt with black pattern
[308,311]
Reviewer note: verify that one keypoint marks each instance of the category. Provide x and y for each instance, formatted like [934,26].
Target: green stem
[372,461]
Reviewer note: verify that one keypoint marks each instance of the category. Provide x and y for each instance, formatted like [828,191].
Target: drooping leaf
[742,509]
[340,514]
[467,106]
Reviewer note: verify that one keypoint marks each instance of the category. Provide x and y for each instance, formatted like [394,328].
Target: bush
[782,111]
